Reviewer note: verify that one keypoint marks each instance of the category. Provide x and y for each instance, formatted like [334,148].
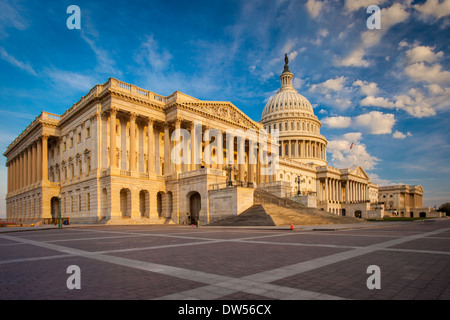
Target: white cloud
[342,156]
[105,63]
[354,59]
[151,54]
[393,15]
[11,17]
[314,7]
[322,34]
[434,8]
[353,5]
[19,64]
[431,74]
[373,177]
[423,53]
[367,88]
[289,45]
[73,80]
[337,122]
[334,92]
[329,85]
[399,135]
[390,16]
[371,101]
[415,103]
[297,83]
[376,122]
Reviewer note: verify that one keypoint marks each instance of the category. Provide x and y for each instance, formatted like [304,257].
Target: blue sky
[386,90]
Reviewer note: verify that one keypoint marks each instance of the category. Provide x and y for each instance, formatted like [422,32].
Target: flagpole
[353,152]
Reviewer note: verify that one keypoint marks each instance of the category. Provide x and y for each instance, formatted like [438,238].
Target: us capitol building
[109,159]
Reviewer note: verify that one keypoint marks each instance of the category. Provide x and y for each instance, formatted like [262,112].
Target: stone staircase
[270,210]
[253,216]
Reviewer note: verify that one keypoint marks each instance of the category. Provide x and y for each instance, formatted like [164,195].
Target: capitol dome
[292,115]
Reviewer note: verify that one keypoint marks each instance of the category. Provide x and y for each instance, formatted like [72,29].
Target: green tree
[445,208]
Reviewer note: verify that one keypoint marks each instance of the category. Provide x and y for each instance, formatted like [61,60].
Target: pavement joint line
[255,280]
[20,260]
[195,238]
[302,267]
[295,269]
[186,274]
[93,238]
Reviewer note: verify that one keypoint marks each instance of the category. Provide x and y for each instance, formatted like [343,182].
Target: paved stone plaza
[206,263]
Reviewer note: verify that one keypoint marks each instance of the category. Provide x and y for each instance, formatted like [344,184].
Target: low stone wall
[229,202]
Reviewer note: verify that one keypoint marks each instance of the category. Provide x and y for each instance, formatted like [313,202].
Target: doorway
[195,204]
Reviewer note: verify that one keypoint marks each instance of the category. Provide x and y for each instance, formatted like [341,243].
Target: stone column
[23,161]
[219,153]
[29,164]
[251,160]
[326,190]
[39,160]
[150,147]
[178,140]
[44,138]
[14,174]
[289,148]
[112,137]
[33,163]
[167,160]
[241,157]
[133,141]
[194,146]
[258,167]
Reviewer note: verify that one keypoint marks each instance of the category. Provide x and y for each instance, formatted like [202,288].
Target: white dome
[287,100]
[298,129]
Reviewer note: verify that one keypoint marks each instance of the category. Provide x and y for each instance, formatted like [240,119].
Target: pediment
[359,172]
[224,111]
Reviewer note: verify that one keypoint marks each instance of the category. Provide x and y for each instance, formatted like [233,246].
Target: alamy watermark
[374,281]
[73,281]
[259,146]
[74,20]
[374,21]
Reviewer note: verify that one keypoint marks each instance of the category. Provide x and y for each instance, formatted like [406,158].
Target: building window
[71,142]
[88,132]
[79,137]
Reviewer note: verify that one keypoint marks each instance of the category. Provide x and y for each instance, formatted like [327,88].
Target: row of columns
[30,166]
[253,161]
[303,149]
[112,142]
[354,191]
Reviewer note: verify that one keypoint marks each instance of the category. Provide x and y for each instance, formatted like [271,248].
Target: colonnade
[199,149]
[348,191]
[303,149]
[29,166]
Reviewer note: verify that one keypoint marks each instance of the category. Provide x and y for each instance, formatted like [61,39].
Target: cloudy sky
[386,90]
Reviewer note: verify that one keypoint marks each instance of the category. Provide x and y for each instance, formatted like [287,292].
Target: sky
[386,90]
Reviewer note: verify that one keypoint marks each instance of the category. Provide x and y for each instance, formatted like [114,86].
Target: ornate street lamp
[230,168]
[59,213]
[298,180]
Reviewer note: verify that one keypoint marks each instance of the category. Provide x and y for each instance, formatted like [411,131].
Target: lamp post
[230,168]
[59,214]
[299,180]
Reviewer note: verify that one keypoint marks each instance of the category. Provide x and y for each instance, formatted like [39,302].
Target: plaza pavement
[208,263]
